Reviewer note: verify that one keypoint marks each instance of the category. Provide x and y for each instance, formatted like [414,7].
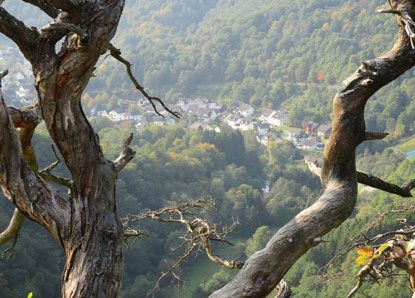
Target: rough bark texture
[85,223]
[264,269]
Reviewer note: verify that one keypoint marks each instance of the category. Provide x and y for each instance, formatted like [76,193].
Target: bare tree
[264,269]
[85,222]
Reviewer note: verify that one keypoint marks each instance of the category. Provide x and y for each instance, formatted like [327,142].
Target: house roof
[279,115]
[312,125]
[324,128]
[267,112]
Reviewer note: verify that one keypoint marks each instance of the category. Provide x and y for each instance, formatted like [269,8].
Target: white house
[246,124]
[183,103]
[114,116]
[233,121]
[277,119]
[265,115]
[292,135]
[265,139]
[262,128]
[141,125]
[323,131]
[312,144]
[246,110]
[103,113]
[206,114]
[136,117]
[202,126]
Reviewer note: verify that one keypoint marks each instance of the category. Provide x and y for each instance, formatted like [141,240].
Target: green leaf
[382,248]
[362,260]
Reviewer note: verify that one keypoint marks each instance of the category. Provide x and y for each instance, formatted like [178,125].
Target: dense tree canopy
[282,55]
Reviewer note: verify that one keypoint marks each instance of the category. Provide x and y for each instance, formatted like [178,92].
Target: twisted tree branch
[12,231]
[50,10]
[116,53]
[16,30]
[372,181]
[265,268]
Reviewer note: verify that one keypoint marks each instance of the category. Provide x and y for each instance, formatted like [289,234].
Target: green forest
[285,55]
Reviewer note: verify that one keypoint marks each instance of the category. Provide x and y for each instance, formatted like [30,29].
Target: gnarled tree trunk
[85,223]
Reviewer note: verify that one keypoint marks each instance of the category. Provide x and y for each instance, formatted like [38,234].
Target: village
[199,113]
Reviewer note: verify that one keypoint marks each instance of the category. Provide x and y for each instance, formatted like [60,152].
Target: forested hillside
[286,55]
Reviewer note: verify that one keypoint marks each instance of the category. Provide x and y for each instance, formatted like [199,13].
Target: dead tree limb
[13,230]
[372,181]
[199,233]
[116,53]
[127,154]
[26,120]
[265,268]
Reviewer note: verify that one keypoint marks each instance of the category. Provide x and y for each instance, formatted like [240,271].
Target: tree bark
[85,223]
[264,269]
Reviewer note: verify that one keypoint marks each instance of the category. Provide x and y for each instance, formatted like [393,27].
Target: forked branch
[199,232]
[126,155]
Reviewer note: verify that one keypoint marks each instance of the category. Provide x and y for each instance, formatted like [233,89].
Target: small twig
[4,73]
[116,53]
[54,164]
[48,176]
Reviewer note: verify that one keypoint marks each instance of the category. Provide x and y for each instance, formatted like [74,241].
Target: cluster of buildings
[205,115]
[17,86]
[199,113]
